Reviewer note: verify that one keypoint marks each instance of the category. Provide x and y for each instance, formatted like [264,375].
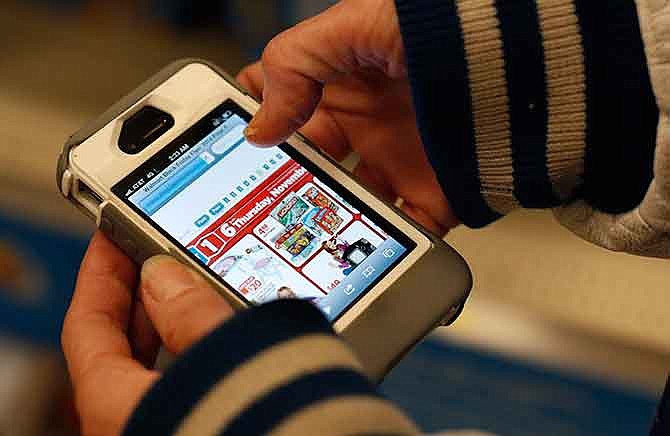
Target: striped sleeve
[277,369]
[532,103]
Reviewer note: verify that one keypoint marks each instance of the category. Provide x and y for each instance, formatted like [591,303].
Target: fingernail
[163,278]
[251,133]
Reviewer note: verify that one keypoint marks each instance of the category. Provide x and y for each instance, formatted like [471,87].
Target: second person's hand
[115,326]
[341,78]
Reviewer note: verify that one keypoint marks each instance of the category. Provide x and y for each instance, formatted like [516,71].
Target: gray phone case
[378,351]
[113,223]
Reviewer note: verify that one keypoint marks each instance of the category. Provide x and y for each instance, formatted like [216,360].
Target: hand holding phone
[372,115]
[343,72]
[169,171]
[111,339]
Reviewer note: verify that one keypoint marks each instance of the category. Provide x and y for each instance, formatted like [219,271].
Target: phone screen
[269,223]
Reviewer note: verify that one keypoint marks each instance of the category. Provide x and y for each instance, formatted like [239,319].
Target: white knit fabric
[646,230]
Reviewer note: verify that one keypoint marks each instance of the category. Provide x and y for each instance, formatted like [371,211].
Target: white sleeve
[646,230]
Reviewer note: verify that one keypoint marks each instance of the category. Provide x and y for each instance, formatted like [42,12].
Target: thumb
[297,64]
[180,303]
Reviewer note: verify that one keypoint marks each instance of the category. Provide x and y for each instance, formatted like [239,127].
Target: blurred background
[559,338]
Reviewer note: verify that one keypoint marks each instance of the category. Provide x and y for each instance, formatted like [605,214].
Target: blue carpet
[52,259]
[441,387]
[447,387]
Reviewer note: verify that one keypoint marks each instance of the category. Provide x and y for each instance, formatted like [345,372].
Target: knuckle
[172,336]
[68,332]
[65,332]
[272,54]
[247,72]
[179,316]
[282,49]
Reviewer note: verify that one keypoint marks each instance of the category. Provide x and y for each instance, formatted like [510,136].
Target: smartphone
[168,171]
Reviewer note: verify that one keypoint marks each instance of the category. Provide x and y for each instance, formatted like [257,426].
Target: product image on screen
[266,221]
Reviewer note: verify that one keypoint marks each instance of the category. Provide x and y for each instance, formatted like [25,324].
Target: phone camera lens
[143,128]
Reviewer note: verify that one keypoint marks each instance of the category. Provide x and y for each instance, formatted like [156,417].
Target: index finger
[323,129]
[300,61]
[94,332]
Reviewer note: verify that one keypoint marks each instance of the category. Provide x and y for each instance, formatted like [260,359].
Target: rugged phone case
[378,350]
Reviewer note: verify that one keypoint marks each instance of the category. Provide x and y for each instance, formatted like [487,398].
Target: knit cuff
[622,115]
[438,69]
[500,95]
[274,369]
[512,105]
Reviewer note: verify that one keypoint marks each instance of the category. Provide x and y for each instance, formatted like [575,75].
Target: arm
[541,104]
[521,103]
[277,369]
